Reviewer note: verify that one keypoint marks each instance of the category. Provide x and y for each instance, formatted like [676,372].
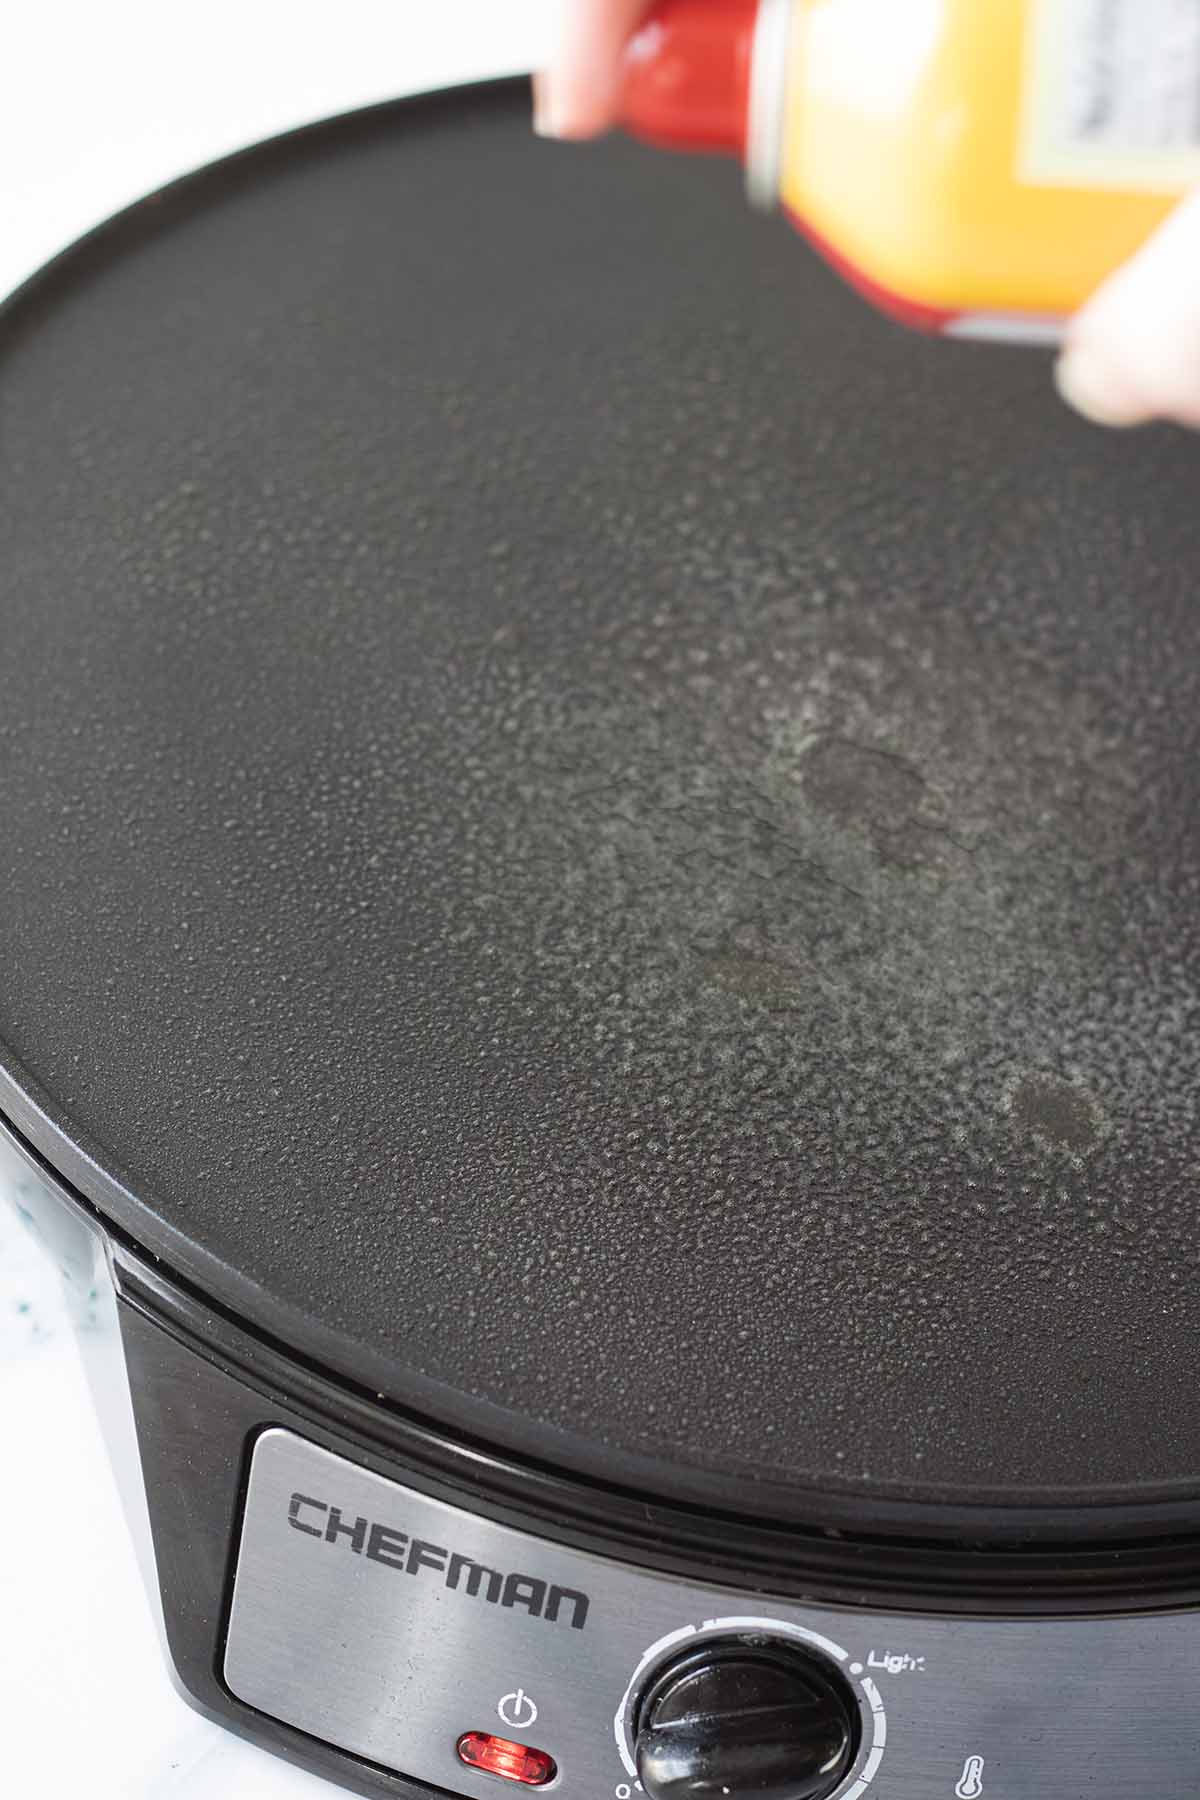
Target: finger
[578,94]
[1133,352]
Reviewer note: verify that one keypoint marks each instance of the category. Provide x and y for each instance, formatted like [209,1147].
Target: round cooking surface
[599,840]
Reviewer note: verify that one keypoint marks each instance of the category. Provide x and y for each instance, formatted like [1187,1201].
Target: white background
[100,102]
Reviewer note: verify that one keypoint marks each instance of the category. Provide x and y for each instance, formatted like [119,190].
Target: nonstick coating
[600,840]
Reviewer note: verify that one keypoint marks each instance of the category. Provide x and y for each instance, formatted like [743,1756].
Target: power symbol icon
[970,1786]
[517,1710]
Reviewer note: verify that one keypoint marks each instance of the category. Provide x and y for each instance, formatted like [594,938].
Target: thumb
[578,95]
[1133,352]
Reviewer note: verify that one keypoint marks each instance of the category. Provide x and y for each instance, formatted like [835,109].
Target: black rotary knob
[746,1720]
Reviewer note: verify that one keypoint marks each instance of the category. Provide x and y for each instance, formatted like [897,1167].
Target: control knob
[746,1719]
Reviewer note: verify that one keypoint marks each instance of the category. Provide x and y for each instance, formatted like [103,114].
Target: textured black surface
[601,839]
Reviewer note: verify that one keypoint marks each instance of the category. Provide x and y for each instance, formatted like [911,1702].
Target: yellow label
[966,156]
[1112,94]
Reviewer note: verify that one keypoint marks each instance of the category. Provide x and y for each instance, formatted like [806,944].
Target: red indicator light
[512,1762]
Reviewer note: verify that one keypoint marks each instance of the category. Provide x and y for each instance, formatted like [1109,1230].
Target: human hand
[577,94]
[1133,352]
[1130,355]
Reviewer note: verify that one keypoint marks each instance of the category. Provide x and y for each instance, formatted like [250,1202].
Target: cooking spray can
[974,167]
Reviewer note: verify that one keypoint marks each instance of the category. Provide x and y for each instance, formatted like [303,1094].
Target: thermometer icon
[970,1785]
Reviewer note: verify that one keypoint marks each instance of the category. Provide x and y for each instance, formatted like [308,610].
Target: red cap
[687,75]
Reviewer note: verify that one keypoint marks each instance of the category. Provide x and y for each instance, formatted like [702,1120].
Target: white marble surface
[101,100]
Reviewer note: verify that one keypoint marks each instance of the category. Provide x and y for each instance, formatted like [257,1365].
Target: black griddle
[599,841]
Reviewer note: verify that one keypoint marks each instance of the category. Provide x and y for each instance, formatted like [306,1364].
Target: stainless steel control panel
[391,1625]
